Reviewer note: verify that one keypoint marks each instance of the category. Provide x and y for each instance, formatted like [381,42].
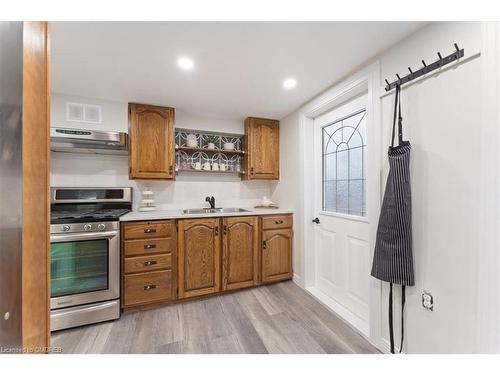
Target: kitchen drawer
[148,246]
[147,287]
[149,229]
[277,222]
[147,263]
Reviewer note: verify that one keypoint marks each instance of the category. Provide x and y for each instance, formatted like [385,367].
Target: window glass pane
[344,185]
[356,163]
[330,161]
[342,165]
[355,197]
[342,197]
[330,196]
[329,146]
[337,135]
[78,267]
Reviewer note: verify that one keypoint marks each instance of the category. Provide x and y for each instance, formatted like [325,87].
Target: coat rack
[426,69]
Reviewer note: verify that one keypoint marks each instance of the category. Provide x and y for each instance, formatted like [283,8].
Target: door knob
[316,220]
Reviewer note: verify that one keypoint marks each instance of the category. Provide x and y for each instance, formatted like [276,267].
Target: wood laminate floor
[278,318]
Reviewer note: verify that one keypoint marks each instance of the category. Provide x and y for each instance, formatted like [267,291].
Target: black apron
[393,259]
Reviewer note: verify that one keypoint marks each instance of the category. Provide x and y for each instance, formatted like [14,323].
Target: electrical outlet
[427,301]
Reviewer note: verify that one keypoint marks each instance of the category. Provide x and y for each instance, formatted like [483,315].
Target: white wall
[106,170]
[442,119]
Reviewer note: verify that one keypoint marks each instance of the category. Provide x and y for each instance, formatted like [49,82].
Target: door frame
[367,80]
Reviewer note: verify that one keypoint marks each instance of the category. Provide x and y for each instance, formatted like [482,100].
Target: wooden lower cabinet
[276,255]
[148,287]
[149,262]
[240,257]
[199,257]
[163,261]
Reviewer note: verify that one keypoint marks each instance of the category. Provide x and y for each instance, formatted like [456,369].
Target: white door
[342,245]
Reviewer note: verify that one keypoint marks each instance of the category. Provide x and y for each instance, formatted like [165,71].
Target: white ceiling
[239,67]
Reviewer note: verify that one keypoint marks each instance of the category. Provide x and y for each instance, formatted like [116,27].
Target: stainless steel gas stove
[85,254]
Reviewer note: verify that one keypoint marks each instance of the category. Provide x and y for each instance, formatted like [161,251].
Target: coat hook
[440,57]
[425,65]
[411,72]
[399,78]
[386,81]
[456,47]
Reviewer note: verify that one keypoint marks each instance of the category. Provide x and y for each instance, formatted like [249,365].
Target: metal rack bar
[426,68]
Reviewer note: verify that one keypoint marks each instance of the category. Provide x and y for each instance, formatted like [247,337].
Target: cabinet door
[276,255]
[199,257]
[240,252]
[262,141]
[151,142]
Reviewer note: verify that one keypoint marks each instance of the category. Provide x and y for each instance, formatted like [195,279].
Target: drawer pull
[150,246]
[149,286]
[150,230]
[264,244]
[278,222]
[150,262]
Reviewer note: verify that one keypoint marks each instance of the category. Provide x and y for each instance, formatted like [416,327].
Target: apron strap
[400,120]
[391,325]
[397,115]
[403,300]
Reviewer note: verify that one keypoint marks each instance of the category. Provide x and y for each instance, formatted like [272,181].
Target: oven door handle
[82,236]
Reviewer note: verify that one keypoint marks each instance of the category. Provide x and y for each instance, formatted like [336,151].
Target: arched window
[344,182]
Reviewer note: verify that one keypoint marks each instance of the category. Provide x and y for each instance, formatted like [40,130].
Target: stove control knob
[66,228]
[101,226]
[87,227]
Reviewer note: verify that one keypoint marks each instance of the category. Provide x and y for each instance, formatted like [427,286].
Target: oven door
[84,268]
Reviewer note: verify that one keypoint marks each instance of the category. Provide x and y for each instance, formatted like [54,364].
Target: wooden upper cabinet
[151,142]
[276,255]
[262,149]
[240,267]
[199,257]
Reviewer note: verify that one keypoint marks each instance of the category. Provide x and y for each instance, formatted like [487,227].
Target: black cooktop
[86,213]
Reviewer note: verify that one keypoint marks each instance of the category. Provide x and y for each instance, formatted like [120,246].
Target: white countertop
[177,214]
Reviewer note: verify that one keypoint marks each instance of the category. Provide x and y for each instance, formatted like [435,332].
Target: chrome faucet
[210,200]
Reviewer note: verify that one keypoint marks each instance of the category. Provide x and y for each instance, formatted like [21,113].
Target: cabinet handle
[149,246]
[278,222]
[216,231]
[150,230]
[264,244]
[149,286]
[171,169]
[226,229]
[251,170]
[150,262]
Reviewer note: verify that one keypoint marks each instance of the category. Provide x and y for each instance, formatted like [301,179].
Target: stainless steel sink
[197,211]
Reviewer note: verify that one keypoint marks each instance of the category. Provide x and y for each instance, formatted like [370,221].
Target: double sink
[197,211]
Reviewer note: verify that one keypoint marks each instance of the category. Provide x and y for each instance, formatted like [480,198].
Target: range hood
[88,141]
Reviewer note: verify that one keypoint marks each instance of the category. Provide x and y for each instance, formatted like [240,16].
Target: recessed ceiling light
[185,63]
[289,83]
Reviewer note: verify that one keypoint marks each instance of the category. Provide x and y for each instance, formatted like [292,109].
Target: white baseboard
[353,320]
[298,280]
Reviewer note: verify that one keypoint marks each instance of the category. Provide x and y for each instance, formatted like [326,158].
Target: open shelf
[215,150]
[205,171]
[185,155]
